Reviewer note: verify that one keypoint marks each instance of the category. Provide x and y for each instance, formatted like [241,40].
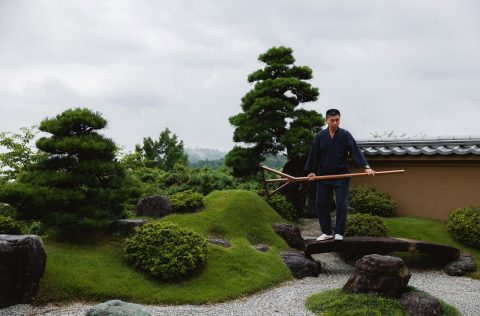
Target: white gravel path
[288,298]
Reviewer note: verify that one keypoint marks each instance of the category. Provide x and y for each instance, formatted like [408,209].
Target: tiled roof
[433,146]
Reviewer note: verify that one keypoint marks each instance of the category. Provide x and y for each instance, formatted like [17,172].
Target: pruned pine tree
[270,121]
[78,186]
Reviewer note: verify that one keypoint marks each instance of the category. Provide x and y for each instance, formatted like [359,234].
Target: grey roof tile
[442,145]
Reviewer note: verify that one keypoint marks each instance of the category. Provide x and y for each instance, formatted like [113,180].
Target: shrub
[281,205]
[464,225]
[34,228]
[165,251]
[368,199]
[365,225]
[186,201]
[9,226]
[206,180]
[7,210]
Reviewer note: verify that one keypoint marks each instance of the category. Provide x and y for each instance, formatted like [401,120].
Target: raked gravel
[288,298]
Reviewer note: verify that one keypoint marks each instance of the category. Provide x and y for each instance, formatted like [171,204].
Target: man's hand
[310,176]
[370,171]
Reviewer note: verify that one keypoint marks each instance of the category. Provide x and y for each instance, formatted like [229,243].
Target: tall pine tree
[271,121]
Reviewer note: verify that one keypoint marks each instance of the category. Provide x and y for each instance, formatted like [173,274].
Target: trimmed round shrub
[9,226]
[370,200]
[365,225]
[464,225]
[165,251]
[186,201]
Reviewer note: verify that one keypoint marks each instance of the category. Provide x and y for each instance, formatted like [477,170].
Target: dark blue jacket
[329,156]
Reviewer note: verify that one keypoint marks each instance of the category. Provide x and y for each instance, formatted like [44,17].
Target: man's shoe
[338,237]
[324,237]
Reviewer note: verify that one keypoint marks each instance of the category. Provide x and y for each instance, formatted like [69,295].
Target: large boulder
[125,226]
[154,206]
[22,264]
[463,265]
[117,308]
[300,266]
[420,304]
[291,234]
[383,275]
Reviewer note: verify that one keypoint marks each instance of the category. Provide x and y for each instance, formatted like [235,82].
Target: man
[328,156]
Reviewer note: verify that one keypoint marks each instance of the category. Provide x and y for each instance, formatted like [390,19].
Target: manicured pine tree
[78,186]
[271,121]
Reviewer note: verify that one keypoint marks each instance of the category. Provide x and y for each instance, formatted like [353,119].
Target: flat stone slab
[380,245]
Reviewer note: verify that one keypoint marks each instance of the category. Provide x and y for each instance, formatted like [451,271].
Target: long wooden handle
[333,176]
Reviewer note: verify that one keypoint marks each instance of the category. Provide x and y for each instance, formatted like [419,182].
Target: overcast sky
[405,66]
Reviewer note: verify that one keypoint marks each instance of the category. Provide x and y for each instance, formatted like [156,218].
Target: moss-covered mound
[99,272]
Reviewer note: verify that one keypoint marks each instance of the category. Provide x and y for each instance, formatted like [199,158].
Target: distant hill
[197,154]
[199,157]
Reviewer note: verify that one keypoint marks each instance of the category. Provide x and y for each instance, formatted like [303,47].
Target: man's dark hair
[333,112]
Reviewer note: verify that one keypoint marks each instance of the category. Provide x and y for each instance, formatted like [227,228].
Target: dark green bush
[186,201]
[166,251]
[7,210]
[34,228]
[281,205]
[365,225]
[370,200]
[9,226]
[464,225]
[206,180]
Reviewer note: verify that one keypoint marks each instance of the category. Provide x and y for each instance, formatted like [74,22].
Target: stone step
[380,245]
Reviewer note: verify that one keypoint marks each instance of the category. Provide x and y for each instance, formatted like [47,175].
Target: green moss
[99,272]
[338,303]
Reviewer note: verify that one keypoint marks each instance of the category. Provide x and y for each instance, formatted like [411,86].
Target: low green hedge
[464,225]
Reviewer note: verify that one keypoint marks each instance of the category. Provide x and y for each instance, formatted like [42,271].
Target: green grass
[428,230]
[99,272]
[337,303]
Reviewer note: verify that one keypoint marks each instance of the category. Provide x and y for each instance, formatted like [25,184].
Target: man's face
[333,122]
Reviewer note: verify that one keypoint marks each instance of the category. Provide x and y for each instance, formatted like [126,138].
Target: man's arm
[358,157]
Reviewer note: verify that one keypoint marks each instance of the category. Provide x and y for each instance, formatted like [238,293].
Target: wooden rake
[288,179]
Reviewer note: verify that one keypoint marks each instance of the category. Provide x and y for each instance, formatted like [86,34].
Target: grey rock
[154,206]
[300,266]
[117,308]
[125,226]
[291,234]
[22,264]
[220,242]
[420,304]
[261,247]
[463,265]
[383,275]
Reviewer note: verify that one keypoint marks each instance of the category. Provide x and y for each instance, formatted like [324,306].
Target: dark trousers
[323,204]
